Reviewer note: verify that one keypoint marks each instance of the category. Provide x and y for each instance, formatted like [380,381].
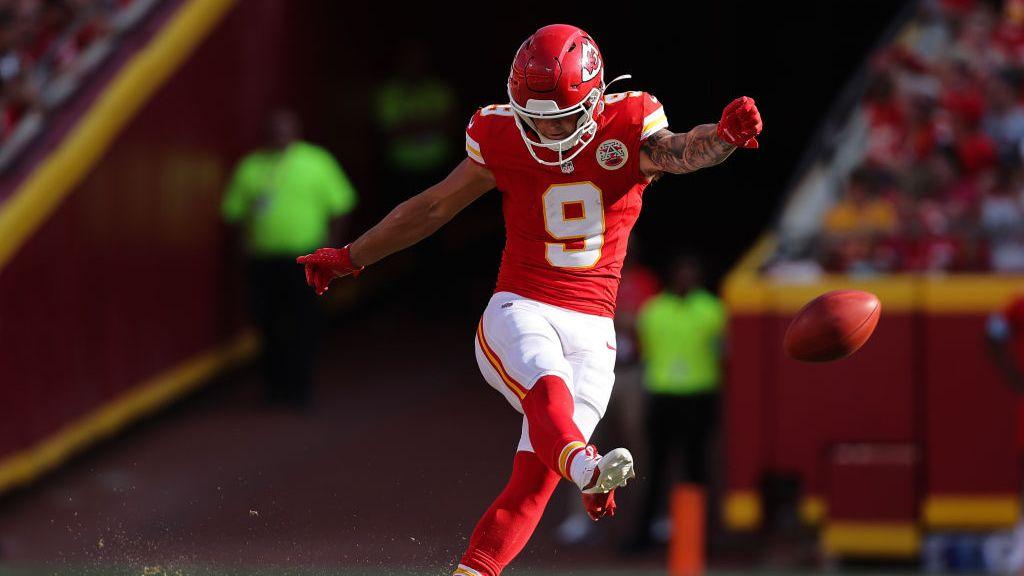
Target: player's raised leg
[521,354]
[550,409]
[597,502]
[588,342]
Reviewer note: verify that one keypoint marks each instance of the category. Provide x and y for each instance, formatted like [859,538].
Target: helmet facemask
[586,125]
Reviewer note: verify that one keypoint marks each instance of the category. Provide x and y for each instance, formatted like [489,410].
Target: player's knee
[586,416]
[550,392]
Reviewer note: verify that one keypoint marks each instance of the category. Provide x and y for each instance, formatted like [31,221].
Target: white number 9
[574,215]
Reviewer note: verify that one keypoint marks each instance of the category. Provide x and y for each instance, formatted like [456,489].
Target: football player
[571,163]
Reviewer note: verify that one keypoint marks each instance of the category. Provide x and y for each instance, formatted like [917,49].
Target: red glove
[740,123]
[599,505]
[326,264]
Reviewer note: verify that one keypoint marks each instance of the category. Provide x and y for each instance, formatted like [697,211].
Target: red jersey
[566,227]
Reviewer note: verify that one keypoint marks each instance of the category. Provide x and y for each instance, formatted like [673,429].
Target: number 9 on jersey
[574,214]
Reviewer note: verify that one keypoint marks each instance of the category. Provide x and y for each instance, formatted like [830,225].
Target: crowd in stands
[941,184]
[40,40]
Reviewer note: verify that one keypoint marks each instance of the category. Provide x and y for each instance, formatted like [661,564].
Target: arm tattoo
[681,153]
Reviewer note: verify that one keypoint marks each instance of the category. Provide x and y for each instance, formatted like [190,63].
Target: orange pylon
[686,549]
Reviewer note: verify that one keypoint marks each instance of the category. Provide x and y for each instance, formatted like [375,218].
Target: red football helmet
[557,72]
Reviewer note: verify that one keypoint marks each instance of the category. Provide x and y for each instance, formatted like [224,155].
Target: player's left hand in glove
[326,264]
[740,123]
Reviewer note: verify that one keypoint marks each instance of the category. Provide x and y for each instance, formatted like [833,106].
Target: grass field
[207,571]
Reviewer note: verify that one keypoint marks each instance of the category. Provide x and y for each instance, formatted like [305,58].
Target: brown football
[832,326]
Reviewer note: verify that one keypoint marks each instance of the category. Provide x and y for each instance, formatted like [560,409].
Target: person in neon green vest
[681,335]
[285,197]
[415,110]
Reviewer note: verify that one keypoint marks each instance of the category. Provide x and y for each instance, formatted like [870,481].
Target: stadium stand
[47,49]
[914,190]
[927,173]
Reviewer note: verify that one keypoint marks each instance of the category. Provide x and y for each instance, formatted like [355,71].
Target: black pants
[676,424]
[287,313]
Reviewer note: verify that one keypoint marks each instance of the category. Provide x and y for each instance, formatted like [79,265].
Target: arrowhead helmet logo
[591,61]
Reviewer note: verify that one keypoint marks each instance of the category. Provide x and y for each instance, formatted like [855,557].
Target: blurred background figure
[285,196]
[415,111]
[681,336]
[1005,332]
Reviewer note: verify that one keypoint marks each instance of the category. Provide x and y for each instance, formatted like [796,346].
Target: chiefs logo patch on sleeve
[612,154]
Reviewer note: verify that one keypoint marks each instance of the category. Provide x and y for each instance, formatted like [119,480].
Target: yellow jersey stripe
[660,122]
[492,358]
[474,154]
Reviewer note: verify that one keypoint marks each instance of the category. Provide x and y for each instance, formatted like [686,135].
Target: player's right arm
[421,215]
[410,222]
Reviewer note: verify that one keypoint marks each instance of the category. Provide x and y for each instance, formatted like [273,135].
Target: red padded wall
[925,380]
[744,416]
[868,397]
[969,411]
[127,277]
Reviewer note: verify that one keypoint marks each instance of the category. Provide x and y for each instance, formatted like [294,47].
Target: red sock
[555,437]
[508,524]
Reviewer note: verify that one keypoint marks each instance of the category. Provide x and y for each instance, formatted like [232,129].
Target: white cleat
[608,472]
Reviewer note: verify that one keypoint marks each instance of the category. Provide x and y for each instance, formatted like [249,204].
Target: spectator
[1009,36]
[862,210]
[1005,335]
[416,110]
[10,59]
[1005,331]
[42,41]
[1004,121]
[285,196]
[1001,211]
[638,285]
[939,187]
[922,133]
[975,151]
[681,334]
[1007,253]
[927,40]
[887,120]
[1001,219]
